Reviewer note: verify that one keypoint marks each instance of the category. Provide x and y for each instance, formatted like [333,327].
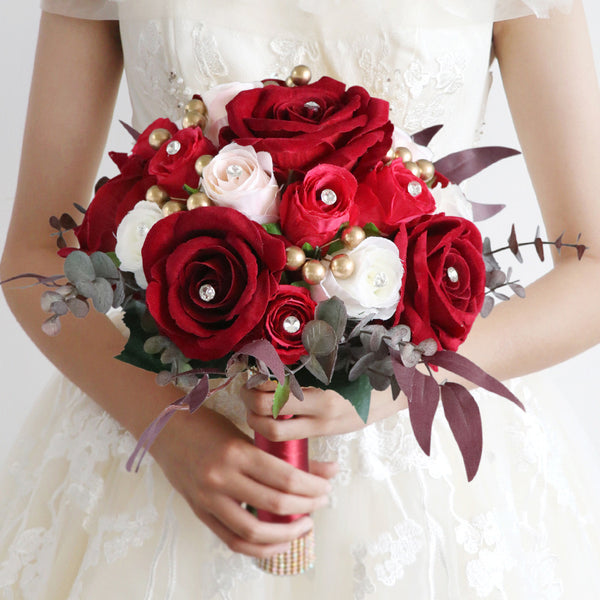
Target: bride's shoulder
[82,9]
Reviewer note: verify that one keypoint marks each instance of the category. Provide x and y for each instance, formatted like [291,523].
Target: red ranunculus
[445,278]
[142,147]
[306,215]
[295,304]
[211,274]
[384,197]
[317,123]
[174,162]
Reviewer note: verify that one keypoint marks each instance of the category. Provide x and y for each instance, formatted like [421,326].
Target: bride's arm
[549,76]
[215,467]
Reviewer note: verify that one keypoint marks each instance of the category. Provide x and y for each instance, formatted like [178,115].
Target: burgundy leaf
[264,351]
[462,366]
[79,207]
[513,244]
[558,242]
[423,396]
[98,185]
[539,247]
[54,222]
[481,212]
[198,395]
[60,242]
[425,136]
[295,387]
[464,164]
[464,418]
[580,250]
[132,132]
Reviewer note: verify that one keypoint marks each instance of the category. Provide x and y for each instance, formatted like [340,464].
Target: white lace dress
[75,525]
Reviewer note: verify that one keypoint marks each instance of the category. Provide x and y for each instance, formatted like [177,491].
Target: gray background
[23,370]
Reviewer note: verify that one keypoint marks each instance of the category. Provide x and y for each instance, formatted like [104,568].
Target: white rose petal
[131,234]
[241,178]
[451,201]
[374,287]
[216,100]
[401,139]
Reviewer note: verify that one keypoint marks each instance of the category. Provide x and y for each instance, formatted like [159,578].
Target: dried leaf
[295,387]
[539,247]
[482,212]
[59,308]
[425,136]
[49,298]
[101,182]
[427,347]
[558,243]
[410,356]
[319,338]
[500,296]
[132,132]
[513,244]
[580,250]
[518,289]
[461,165]
[360,366]
[54,223]
[315,368]
[51,326]
[256,380]
[60,242]
[164,378]
[156,344]
[464,418]
[195,399]
[263,351]
[67,221]
[360,326]
[488,305]
[495,279]
[333,311]
[79,207]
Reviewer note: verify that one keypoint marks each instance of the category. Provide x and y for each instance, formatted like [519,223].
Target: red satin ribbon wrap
[295,452]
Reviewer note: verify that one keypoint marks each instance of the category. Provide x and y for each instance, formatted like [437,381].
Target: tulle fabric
[462,9]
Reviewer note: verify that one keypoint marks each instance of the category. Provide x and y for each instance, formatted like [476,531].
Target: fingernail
[323,501]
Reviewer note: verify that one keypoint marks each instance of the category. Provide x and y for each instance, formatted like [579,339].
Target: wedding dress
[75,525]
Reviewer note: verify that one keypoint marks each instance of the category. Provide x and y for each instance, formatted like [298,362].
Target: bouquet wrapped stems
[301,555]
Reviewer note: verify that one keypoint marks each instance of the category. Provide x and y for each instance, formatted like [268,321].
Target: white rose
[131,234]
[216,100]
[451,201]
[241,178]
[401,139]
[374,287]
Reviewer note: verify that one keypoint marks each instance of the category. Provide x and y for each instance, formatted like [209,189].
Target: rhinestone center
[380,280]
[207,292]
[234,171]
[142,230]
[173,147]
[312,108]
[452,274]
[292,324]
[414,188]
[328,197]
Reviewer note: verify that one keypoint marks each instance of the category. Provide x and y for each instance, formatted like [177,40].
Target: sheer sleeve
[83,9]
[511,9]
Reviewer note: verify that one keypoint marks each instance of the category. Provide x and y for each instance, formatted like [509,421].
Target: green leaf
[357,392]
[281,396]
[133,353]
[301,284]
[372,230]
[272,228]
[335,247]
[114,258]
[308,250]
[79,267]
[333,311]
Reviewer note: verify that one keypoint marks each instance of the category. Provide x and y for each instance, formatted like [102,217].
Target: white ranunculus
[374,287]
[216,100]
[401,139]
[241,178]
[131,234]
[451,201]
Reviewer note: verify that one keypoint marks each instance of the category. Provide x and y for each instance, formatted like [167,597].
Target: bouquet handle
[301,555]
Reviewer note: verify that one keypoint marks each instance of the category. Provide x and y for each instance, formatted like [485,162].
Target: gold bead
[300,75]
[404,154]
[295,258]
[390,155]
[158,137]
[289,82]
[342,266]
[270,82]
[195,104]
[353,236]
[198,200]
[413,167]
[201,162]
[427,169]
[193,118]
[313,272]
[171,207]
[157,195]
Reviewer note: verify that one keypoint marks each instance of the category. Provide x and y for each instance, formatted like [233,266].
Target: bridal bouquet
[287,230]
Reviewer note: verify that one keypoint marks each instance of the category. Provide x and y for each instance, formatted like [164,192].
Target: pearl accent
[142,230]
[173,147]
[234,171]
[328,197]
[292,324]
[381,280]
[452,274]
[207,292]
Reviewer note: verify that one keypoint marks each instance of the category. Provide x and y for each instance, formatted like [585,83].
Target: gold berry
[427,169]
[171,207]
[195,104]
[390,155]
[300,75]
[198,200]
[158,137]
[313,272]
[295,258]
[193,118]
[353,236]
[157,195]
[201,162]
[342,266]
[404,154]
[413,167]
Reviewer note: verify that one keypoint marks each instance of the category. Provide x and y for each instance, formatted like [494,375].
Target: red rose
[142,147]
[389,195]
[211,273]
[294,304]
[313,210]
[317,123]
[174,162]
[445,278]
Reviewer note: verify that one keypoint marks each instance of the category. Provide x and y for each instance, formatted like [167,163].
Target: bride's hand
[322,412]
[216,468]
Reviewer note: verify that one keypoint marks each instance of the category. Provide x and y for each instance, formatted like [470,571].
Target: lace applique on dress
[291,52]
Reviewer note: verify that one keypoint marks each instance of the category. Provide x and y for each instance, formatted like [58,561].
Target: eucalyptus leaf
[102,295]
[281,396]
[78,267]
[51,326]
[378,381]
[156,344]
[333,311]
[104,266]
[314,367]
[256,380]
[118,294]
[361,366]
[360,326]
[328,363]
[319,338]
[59,308]
[78,307]
[48,299]
[410,356]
